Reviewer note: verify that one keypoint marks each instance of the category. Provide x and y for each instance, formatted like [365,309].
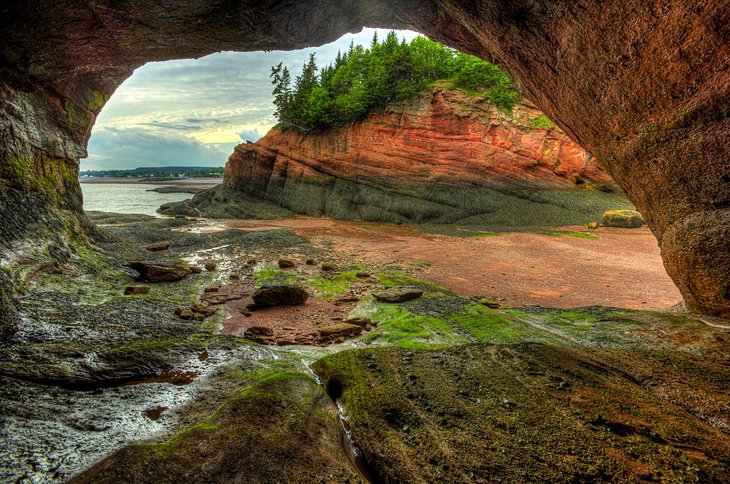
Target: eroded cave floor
[441,388]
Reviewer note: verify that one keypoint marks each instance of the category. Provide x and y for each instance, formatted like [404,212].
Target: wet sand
[620,268]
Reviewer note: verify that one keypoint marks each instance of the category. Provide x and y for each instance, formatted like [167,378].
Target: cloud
[113,148]
[217,100]
[252,135]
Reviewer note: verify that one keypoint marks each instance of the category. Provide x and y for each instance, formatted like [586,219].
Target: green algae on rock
[283,428]
[527,412]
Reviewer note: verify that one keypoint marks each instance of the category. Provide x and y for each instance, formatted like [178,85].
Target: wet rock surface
[284,428]
[526,412]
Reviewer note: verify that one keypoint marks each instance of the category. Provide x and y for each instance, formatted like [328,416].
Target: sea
[125,197]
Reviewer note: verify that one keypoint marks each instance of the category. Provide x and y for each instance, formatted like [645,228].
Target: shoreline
[206,182]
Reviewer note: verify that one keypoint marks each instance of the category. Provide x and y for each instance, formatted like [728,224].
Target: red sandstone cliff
[442,137]
[442,157]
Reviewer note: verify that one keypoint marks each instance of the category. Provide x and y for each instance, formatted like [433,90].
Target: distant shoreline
[204,182]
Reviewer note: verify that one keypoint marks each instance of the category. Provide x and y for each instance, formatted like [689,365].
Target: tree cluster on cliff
[391,70]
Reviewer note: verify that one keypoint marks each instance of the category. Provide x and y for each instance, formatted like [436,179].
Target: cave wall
[641,84]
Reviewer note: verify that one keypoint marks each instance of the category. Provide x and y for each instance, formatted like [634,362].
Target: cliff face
[440,157]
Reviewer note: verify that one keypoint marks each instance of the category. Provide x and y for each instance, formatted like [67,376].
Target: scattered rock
[361,321]
[311,262]
[330,267]
[286,263]
[340,330]
[234,277]
[629,219]
[214,299]
[184,313]
[197,311]
[158,246]
[210,265]
[245,312]
[346,299]
[159,272]
[196,269]
[203,308]
[215,287]
[287,294]
[260,334]
[398,294]
[363,275]
[592,225]
[251,262]
[136,290]
[203,355]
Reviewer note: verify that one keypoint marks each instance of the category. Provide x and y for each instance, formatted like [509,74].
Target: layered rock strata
[442,156]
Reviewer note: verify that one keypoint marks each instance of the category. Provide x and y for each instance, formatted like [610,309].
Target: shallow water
[127,197]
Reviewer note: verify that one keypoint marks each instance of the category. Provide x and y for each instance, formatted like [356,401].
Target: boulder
[158,246]
[398,294]
[158,271]
[210,265]
[592,225]
[330,267]
[286,263]
[628,219]
[311,262]
[195,269]
[136,290]
[287,294]
[363,275]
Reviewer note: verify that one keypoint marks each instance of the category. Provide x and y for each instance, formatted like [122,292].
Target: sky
[194,112]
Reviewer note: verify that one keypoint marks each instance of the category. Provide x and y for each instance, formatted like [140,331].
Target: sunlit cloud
[206,106]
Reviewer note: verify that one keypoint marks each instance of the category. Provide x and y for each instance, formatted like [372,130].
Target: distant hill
[156,172]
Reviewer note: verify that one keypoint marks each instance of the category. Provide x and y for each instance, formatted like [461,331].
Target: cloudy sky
[193,112]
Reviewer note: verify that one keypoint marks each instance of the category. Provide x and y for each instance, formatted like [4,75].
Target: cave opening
[225,337]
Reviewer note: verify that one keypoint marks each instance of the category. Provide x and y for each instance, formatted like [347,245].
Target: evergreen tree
[391,70]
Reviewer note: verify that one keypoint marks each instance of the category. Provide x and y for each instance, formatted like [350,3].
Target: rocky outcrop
[442,156]
[641,85]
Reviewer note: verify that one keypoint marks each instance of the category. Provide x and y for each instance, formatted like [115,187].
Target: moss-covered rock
[528,412]
[629,219]
[283,428]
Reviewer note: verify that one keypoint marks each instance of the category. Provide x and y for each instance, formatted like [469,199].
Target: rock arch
[641,84]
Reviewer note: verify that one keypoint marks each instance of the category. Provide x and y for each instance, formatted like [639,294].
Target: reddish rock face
[442,156]
[442,138]
[642,85]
